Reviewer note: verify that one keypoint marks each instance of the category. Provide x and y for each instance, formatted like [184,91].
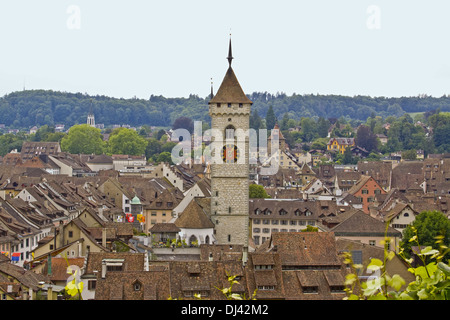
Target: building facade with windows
[229,109]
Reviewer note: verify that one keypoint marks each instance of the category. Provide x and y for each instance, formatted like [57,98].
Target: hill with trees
[305,121]
[24,109]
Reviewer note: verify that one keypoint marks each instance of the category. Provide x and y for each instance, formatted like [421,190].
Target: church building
[229,109]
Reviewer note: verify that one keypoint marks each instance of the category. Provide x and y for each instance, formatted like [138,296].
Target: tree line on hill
[428,131]
[24,109]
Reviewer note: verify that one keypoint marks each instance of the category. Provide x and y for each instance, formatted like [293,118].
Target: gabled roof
[306,248]
[164,227]
[360,224]
[133,261]
[398,209]
[342,141]
[103,158]
[194,217]
[362,182]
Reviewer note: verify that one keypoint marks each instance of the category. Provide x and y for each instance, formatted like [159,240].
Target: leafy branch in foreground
[228,292]
[432,278]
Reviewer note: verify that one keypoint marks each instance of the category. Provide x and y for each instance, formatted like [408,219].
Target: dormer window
[137,286]
[310,289]
[263,267]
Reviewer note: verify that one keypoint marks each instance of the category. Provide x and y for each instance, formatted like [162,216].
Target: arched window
[137,285]
[229,132]
[192,239]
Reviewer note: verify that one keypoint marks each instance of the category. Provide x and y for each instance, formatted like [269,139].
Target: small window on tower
[229,238]
[218,105]
[240,105]
[229,105]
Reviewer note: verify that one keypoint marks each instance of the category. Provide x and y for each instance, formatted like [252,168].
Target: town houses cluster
[138,231]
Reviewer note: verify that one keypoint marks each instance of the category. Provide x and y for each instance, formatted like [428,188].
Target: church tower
[230,115]
[90,117]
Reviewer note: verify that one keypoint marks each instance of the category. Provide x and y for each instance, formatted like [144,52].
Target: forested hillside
[25,109]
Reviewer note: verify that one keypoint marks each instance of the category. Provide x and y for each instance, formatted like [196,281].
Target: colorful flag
[15,256]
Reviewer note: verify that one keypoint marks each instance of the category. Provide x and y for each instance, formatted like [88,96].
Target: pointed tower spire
[212,92]
[230,90]
[230,55]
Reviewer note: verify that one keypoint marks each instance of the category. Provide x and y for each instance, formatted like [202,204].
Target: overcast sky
[173,48]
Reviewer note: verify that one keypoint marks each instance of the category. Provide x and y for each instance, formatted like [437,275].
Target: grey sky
[173,47]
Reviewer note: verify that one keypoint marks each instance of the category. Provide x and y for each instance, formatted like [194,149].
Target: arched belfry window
[137,285]
[229,132]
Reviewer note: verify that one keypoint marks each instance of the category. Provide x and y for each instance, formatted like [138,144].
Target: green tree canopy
[366,139]
[257,191]
[164,157]
[409,154]
[83,139]
[255,120]
[126,141]
[428,224]
[270,118]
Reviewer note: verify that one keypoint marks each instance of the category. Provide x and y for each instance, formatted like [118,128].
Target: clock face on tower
[230,153]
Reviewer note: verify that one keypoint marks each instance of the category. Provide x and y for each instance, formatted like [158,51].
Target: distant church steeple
[90,117]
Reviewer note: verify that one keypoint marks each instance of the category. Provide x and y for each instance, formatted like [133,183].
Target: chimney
[50,292]
[104,237]
[103,269]
[245,256]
